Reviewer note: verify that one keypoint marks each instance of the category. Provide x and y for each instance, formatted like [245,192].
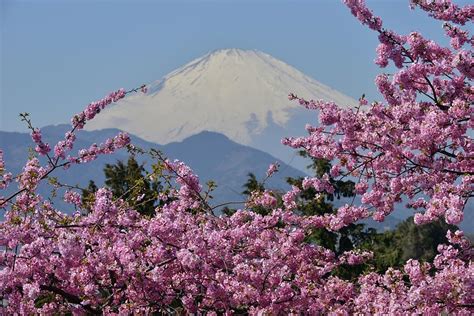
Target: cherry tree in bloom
[415,143]
[108,258]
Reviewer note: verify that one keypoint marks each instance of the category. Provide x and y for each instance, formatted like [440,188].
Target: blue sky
[57,56]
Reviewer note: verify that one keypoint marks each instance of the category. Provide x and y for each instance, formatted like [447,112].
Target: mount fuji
[239,93]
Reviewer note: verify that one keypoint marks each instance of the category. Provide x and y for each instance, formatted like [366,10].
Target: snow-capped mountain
[239,93]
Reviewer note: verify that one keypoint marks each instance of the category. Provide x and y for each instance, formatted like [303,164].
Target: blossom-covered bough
[416,144]
[107,258]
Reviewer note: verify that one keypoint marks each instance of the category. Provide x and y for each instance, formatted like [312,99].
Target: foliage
[130,183]
[408,241]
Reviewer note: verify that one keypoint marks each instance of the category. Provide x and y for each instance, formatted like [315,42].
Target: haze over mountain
[239,93]
[212,156]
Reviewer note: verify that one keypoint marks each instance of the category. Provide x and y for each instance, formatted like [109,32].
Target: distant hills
[212,156]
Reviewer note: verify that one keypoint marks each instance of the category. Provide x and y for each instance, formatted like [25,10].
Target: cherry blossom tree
[111,259]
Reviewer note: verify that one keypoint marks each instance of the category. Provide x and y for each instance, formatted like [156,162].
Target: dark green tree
[88,197]
[315,203]
[312,203]
[129,181]
[393,248]
[253,185]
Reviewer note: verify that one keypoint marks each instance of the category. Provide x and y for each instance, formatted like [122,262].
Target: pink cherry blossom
[415,145]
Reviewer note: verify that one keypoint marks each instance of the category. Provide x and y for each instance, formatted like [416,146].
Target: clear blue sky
[57,56]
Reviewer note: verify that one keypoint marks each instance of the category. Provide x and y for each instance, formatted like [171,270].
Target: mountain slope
[239,93]
[231,165]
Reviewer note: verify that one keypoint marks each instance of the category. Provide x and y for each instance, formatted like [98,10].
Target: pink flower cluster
[94,108]
[65,145]
[72,197]
[110,145]
[5,177]
[32,173]
[190,188]
[416,143]
[264,199]
[272,169]
[319,184]
[458,36]
[41,147]
[446,10]
[290,197]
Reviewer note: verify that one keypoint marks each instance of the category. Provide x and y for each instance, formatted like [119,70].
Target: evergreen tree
[253,185]
[128,182]
[408,240]
[88,196]
[317,203]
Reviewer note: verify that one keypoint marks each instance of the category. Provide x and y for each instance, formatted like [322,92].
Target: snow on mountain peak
[231,91]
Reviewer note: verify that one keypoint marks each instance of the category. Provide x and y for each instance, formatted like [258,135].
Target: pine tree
[129,182]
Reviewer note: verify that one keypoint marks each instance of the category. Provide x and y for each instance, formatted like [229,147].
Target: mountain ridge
[224,161]
[211,155]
